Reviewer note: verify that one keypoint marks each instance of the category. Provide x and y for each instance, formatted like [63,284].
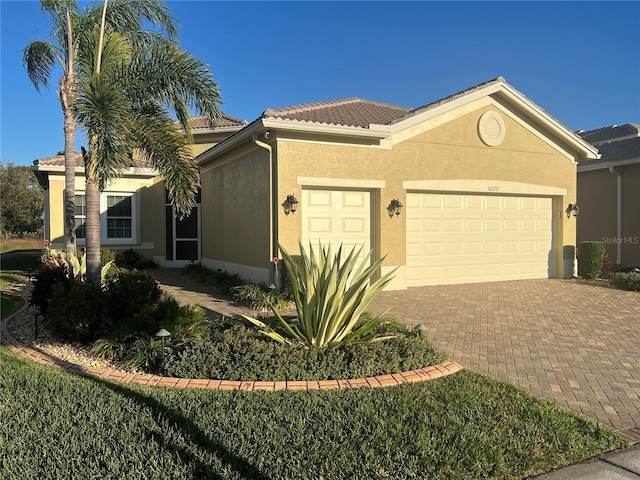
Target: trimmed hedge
[590,259]
[237,352]
[626,281]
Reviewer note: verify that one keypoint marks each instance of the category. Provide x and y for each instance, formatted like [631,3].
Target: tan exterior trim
[486,187]
[340,182]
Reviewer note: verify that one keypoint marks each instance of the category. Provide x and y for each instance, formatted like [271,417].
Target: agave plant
[331,293]
[76,265]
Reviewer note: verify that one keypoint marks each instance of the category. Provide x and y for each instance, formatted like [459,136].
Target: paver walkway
[574,343]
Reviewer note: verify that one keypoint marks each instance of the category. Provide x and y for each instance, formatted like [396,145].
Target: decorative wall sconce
[290,204]
[395,207]
[572,208]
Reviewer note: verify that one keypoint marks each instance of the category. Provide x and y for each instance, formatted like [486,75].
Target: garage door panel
[319,225]
[471,238]
[319,198]
[354,200]
[335,217]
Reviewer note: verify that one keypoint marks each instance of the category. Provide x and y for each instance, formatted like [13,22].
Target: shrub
[129,292]
[607,268]
[626,281]
[238,352]
[590,259]
[145,352]
[258,297]
[183,322]
[132,342]
[131,259]
[330,294]
[107,256]
[220,280]
[45,280]
[77,313]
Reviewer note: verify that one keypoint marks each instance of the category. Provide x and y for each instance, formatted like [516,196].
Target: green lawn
[16,265]
[465,426]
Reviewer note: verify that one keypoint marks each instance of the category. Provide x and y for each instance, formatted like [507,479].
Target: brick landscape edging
[419,375]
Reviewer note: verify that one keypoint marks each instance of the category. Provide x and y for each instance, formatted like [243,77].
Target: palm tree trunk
[69,177]
[92,192]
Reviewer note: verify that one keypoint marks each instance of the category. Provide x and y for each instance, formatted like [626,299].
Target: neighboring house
[609,193]
[134,210]
[484,175]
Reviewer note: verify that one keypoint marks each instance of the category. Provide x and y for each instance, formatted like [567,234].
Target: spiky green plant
[331,293]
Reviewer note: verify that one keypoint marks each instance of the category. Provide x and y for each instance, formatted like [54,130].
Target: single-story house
[134,209]
[609,193]
[484,176]
[473,187]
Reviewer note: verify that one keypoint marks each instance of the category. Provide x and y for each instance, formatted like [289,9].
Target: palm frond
[167,152]
[177,78]
[39,59]
[131,15]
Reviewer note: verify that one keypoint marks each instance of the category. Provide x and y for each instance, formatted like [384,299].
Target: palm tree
[67,39]
[127,92]
[119,82]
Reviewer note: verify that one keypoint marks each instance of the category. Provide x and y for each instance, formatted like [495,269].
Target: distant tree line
[21,202]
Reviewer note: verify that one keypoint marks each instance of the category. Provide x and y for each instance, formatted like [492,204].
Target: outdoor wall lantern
[291,204]
[162,333]
[394,207]
[572,208]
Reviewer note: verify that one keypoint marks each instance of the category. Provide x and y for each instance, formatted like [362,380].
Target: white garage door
[477,238]
[335,217]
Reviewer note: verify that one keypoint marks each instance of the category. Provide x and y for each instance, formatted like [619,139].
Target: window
[119,216]
[81,216]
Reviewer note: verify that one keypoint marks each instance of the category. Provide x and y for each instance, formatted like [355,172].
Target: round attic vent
[491,128]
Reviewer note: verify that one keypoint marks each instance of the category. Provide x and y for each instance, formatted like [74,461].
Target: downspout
[267,147]
[618,215]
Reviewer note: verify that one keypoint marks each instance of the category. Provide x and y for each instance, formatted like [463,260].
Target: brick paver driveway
[577,344]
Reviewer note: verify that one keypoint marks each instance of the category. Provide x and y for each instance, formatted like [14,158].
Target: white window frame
[104,240]
[84,217]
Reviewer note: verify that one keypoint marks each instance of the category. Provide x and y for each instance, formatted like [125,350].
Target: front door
[183,237]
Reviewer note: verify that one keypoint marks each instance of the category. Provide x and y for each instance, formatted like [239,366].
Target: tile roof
[611,132]
[451,97]
[58,161]
[615,143]
[202,122]
[618,150]
[350,112]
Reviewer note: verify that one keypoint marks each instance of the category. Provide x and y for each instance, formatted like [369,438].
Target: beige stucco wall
[451,150]
[149,211]
[235,213]
[597,198]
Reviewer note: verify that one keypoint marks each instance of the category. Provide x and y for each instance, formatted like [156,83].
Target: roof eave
[135,171]
[607,164]
[376,132]
[500,87]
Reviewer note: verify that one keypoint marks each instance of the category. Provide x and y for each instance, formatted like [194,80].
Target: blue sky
[580,61]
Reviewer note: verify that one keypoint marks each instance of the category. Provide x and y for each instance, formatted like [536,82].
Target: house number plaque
[492,189]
